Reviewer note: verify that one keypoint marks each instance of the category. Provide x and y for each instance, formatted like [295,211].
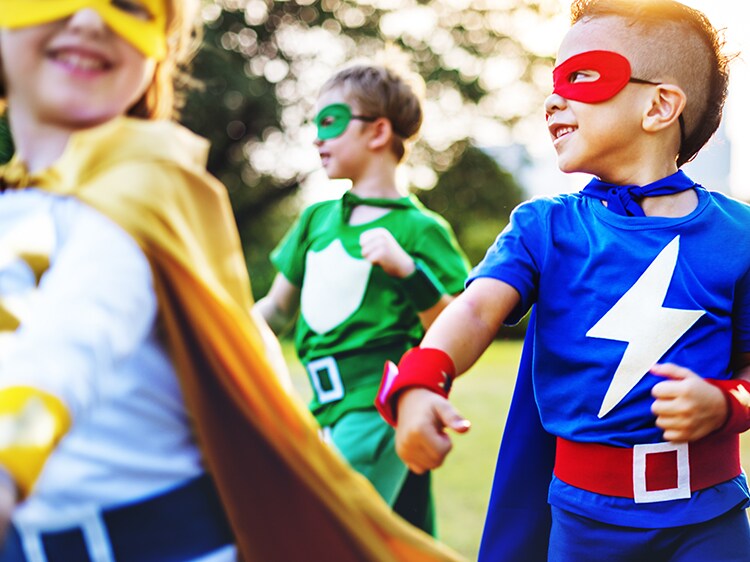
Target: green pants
[369,445]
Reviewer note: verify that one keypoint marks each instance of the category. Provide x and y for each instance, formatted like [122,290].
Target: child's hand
[379,247]
[686,406]
[421,441]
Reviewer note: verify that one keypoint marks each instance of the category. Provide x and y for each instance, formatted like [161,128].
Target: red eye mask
[613,70]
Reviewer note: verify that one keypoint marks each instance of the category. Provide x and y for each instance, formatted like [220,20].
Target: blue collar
[621,198]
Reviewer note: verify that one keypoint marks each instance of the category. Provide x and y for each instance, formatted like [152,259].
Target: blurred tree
[263,62]
[477,187]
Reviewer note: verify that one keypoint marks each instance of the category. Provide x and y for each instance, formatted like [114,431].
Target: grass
[462,485]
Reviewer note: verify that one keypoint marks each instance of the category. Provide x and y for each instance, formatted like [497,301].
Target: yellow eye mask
[142,23]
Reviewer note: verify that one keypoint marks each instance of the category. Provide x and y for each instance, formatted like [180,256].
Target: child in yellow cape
[141,417]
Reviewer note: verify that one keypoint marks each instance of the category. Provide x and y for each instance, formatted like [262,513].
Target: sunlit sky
[447,121]
[732,16]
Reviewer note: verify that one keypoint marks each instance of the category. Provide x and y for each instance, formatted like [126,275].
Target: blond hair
[164,96]
[383,90]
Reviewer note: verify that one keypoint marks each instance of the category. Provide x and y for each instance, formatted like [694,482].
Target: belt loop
[96,538]
[131,531]
[682,491]
[31,542]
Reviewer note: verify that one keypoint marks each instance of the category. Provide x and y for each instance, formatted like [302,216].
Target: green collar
[350,200]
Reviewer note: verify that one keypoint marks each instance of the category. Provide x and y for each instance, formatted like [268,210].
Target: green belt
[348,381]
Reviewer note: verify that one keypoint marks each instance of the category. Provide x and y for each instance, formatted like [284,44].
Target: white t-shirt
[88,335]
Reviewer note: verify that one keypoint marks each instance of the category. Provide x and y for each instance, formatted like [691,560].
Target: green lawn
[462,485]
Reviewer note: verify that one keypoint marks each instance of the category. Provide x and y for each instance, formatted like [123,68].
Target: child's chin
[84,119]
[572,165]
[567,167]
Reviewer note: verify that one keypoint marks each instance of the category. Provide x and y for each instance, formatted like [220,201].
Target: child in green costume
[369,273]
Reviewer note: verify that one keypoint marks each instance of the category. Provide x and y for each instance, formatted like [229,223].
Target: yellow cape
[288,497]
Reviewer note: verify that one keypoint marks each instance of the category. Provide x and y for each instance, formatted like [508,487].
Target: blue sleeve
[517,255]
[741,313]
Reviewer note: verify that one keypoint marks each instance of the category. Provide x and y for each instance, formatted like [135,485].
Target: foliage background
[263,61]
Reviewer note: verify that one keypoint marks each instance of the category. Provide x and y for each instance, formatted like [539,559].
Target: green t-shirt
[352,310]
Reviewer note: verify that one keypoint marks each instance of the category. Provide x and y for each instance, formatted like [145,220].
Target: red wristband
[428,368]
[737,394]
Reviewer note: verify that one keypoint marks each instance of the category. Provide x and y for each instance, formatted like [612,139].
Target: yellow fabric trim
[262,446]
[31,424]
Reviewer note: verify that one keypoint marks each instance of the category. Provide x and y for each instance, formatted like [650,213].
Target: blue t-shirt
[614,295]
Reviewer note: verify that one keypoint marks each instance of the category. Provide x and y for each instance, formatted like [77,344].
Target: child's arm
[280,305]
[273,350]
[380,248]
[273,314]
[427,317]
[687,407]
[463,331]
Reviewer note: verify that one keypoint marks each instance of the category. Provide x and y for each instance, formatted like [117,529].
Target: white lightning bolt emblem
[640,319]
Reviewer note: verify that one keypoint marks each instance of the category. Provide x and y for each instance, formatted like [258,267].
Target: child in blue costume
[637,283]
[368,273]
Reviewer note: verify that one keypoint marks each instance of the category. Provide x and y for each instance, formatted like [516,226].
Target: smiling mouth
[80,61]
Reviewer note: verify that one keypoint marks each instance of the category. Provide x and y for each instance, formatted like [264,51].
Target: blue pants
[579,539]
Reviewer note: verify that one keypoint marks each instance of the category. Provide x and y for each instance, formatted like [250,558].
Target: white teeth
[80,62]
[563,131]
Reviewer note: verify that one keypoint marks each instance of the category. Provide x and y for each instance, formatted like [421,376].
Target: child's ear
[665,108]
[382,133]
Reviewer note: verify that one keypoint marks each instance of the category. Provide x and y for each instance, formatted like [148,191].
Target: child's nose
[87,20]
[554,102]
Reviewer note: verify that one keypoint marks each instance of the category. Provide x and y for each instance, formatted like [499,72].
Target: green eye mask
[333,120]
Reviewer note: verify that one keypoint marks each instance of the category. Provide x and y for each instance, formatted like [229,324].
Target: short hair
[384,91]
[678,41]
[163,97]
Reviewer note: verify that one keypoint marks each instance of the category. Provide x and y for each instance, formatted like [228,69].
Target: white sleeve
[93,307]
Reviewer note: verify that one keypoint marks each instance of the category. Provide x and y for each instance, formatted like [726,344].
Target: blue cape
[518,516]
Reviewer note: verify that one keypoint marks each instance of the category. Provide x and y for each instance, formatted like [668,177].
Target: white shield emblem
[333,287]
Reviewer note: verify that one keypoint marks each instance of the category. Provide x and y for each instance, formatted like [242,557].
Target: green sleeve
[438,249]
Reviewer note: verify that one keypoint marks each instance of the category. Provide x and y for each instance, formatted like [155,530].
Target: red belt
[649,473]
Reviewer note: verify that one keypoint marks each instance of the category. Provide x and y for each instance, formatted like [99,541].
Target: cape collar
[621,198]
[350,200]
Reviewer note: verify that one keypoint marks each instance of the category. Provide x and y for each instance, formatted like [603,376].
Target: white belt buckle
[681,492]
[328,366]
